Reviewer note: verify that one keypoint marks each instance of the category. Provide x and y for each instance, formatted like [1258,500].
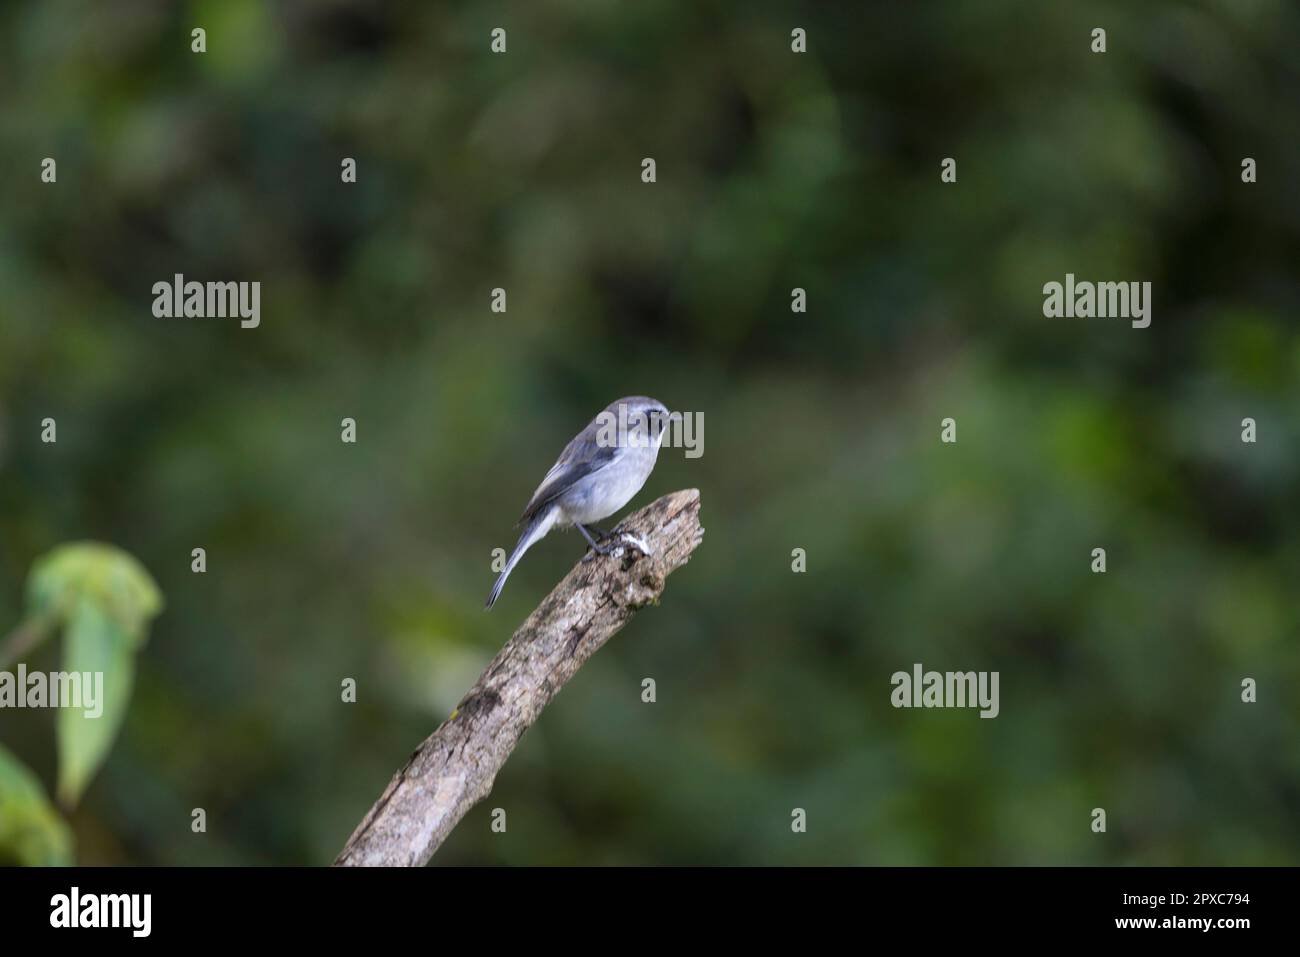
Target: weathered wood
[455,766]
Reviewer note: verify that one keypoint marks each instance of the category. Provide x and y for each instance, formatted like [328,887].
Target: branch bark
[455,766]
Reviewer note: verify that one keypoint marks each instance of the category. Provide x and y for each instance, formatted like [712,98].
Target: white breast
[607,490]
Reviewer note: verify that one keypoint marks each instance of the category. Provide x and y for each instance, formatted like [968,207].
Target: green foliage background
[775,170]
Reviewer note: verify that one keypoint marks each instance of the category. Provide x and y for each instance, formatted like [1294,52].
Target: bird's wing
[582,456]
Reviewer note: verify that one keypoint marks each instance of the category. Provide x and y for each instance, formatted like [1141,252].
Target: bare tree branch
[455,766]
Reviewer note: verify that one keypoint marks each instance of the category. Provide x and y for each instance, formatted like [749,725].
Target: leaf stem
[26,636]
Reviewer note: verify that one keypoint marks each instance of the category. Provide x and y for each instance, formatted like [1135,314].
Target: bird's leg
[598,549]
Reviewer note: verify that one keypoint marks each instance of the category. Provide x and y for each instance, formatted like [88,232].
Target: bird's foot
[599,549]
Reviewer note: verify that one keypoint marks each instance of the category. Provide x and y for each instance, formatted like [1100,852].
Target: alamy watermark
[946,689]
[211,300]
[1103,300]
[133,912]
[631,428]
[54,689]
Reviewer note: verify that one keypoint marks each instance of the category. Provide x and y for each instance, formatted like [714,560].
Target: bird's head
[642,421]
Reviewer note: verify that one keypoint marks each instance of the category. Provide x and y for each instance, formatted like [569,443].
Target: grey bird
[595,476]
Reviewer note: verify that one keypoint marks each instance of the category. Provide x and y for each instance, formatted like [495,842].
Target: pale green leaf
[93,643]
[106,575]
[31,831]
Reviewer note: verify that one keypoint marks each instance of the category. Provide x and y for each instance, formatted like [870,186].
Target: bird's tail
[533,532]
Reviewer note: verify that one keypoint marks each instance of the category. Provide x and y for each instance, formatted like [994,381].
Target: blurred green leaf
[31,830]
[106,575]
[93,643]
[103,599]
